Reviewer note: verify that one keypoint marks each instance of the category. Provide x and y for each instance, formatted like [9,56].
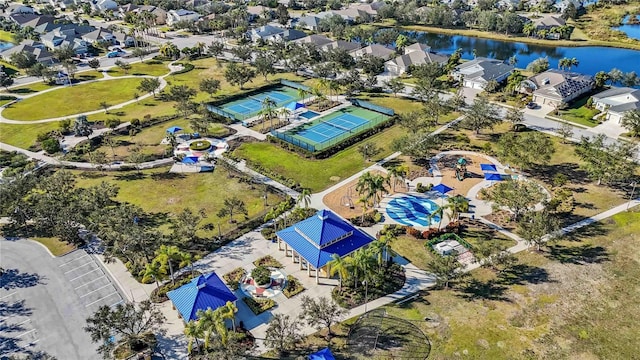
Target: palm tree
[397,173]
[169,50]
[192,331]
[439,212]
[284,113]
[272,214]
[360,262]
[364,202]
[207,320]
[200,46]
[573,62]
[338,265]
[458,204]
[333,87]
[186,259]
[387,239]
[282,208]
[165,255]
[302,93]
[228,312]
[153,270]
[377,189]
[304,197]
[268,110]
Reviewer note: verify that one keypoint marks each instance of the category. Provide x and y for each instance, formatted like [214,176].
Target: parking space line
[78,277]
[25,333]
[91,292]
[22,322]
[76,268]
[85,284]
[6,296]
[115,292]
[70,261]
[119,302]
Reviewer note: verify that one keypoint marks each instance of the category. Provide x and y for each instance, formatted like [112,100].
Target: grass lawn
[143,68]
[399,104]
[9,68]
[54,245]
[580,114]
[316,174]
[6,36]
[576,300]
[150,138]
[86,97]
[24,136]
[163,193]
[31,88]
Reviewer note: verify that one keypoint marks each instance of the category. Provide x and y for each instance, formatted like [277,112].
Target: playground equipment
[461,169]
[347,200]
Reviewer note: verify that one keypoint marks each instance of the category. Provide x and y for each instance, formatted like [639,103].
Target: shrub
[293,287]
[261,275]
[430,233]
[258,306]
[186,68]
[413,232]
[50,145]
[267,261]
[234,277]
[422,188]
[268,233]
[200,145]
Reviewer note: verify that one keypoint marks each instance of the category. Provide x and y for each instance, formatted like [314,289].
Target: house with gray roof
[100,35]
[29,46]
[275,33]
[349,46]
[554,87]
[19,9]
[59,38]
[415,54]
[309,22]
[616,102]
[317,40]
[376,50]
[477,73]
[174,16]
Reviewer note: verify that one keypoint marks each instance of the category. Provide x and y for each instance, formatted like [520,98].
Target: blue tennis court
[251,105]
[327,130]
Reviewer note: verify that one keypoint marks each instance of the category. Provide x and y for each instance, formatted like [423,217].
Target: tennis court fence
[314,147]
[228,115]
[294,85]
[373,107]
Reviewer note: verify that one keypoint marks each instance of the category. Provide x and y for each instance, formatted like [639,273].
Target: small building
[449,247]
[38,50]
[15,9]
[275,33]
[202,293]
[616,102]
[554,87]
[313,241]
[309,22]
[316,40]
[348,46]
[477,73]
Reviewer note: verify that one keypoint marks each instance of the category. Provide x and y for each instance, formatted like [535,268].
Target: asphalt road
[45,301]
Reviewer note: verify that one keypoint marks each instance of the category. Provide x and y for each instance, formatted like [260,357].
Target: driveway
[44,301]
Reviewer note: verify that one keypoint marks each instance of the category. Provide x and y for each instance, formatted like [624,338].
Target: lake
[592,58]
[632,31]
[5,45]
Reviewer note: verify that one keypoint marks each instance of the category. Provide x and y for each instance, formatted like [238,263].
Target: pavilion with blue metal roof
[314,240]
[202,293]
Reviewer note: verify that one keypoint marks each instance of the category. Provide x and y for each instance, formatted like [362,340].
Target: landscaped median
[72,100]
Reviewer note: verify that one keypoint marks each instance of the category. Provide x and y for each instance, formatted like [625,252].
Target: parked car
[532,105]
[115,54]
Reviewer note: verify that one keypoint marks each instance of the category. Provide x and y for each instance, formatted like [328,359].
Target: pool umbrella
[488,168]
[442,188]
[174,129]
[492,176]
[324,354]
[293,106]
[190,160]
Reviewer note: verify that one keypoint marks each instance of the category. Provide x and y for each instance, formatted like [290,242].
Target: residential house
[477,73]
[104,5]
[317,40]
[31,20]
[561,5]
[376,50]
[349,46]
[314,241]
[123,39]
[38,49]
[616,102]
[14,9]
[61,38]
[174,16]
[309,22]
[415,54]
[100,36]
[549,22]
[192,4]
[275,33]
[554,87]
[159,14]
[256,11]
[127,8]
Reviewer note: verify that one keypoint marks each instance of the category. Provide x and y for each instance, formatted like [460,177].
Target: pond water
[5,45]
[592,58]
[632,31]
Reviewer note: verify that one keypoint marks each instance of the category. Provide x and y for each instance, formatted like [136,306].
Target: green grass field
[579,113]
[24,136]
[73,100]
[55,246]
[158,191]
[143,68]
[316,174]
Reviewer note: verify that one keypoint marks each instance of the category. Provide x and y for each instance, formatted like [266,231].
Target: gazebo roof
[202,293]
[320,236]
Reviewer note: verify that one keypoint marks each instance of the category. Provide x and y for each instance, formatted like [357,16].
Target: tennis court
[251,105]
[330,129]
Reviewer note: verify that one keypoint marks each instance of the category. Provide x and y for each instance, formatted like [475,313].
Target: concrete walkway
[163,84]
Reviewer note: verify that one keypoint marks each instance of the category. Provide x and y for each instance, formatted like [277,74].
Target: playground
[460,175]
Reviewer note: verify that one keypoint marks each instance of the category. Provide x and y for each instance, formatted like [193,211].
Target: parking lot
[89,281]
[44,301]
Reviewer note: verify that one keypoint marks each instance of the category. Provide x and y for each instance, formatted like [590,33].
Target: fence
[307,145]
[217,110]
[373,107]
[294,85]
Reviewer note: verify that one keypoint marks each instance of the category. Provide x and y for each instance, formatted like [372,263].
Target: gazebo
[202,293]
[313,241]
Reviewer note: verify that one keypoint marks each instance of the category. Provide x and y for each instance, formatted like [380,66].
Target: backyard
[86,97]
[579,113]
[149,67]
[162,193]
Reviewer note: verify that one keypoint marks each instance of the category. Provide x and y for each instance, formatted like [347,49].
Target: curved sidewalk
[163,84]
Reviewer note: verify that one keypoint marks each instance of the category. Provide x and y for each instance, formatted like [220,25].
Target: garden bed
[293,287]
[268,261]
[159,295]
[234,277]
[386,282]
[258,306]
[322,105]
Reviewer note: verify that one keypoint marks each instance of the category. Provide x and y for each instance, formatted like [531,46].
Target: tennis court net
[346,129]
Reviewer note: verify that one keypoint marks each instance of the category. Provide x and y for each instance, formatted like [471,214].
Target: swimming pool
[412,210]
[309,114]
